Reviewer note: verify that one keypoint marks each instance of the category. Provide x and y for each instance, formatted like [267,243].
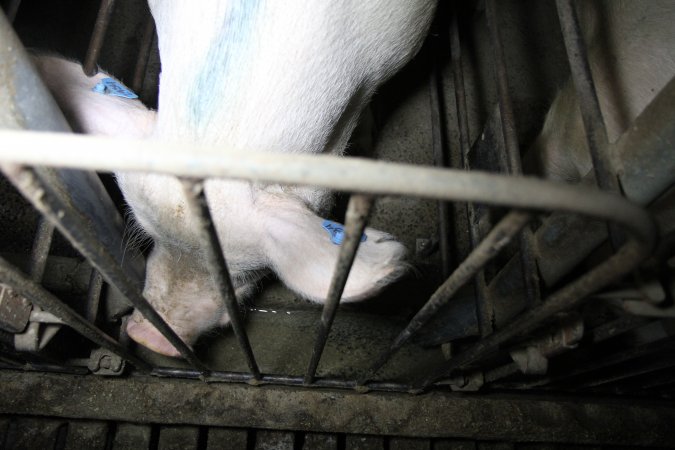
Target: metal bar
[217,266]
[528,264]
[436,414]
[39,296]
[40,251]
[663,346]
[356,218]
[94,295]
[282,380]
[438,148]
[74,228]
[482,301]
[12,10]
[622,262]
[653,383]
[496,240]
[97,37]
[143,55]
[505,105]
[29,340]
[337,173]
[591,114]
[663,362]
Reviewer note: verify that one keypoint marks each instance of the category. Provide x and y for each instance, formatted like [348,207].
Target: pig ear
[89,111]
[304,254]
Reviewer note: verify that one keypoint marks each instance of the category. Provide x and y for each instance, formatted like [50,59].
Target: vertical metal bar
[29,340]
[441,161]
[622,262]
[483,308]
[215,260]
[12,10]
[596,132]
[97,37]
[74,228]
[143,55]
[494,242]
[94,295]
[39,296]
[527,261]
[358,211]
[40,251]
[591,114]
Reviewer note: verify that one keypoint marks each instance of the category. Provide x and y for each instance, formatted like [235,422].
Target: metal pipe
[74,228]
[580,68]
[528,264]
[495,241]
[622,262]
[143,55]
[591,114]
[94,295]
[624,374]
[282,380]
[29,340]
[39,296]
[438,149]
[217,266]
[664,346]
[483,307]
[97,37]
[358,211]
[337,173]
[40,251]
[12,10]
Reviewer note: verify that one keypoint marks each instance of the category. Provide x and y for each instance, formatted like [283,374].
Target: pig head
[263,76]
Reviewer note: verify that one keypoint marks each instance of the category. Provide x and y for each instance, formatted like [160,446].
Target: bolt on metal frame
[365,179]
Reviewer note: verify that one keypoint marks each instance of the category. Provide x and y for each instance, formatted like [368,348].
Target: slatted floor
[31,433]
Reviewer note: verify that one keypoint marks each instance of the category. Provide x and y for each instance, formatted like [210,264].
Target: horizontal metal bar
[358,211]
[622,262]
[74,227]
[39,296]
[214,259]
[494,242]
[97,37]
[282,380]
[341,174]
[625,374]
[436,414]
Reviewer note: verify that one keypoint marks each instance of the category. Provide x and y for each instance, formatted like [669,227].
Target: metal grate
[26,155]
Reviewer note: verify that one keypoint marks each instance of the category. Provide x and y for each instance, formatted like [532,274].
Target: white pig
[631,49]
[261,76]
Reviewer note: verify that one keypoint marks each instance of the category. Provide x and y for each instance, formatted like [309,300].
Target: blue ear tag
[337,232]
[110,86]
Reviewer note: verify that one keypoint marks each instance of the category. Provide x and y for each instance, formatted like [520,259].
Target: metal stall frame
[24,154]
